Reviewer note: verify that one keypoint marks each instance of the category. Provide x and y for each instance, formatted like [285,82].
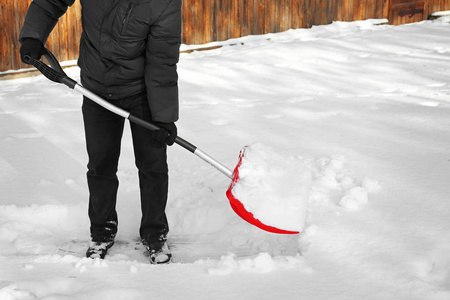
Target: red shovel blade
[239,208]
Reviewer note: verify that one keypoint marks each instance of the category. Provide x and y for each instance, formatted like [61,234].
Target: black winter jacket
[127,47]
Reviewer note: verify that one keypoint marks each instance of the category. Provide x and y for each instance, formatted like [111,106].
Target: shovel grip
[55,73]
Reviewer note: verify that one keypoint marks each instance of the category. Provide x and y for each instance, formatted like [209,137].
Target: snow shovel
[55,73]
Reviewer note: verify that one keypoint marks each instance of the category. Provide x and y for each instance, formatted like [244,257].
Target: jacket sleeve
[162,55]
[42,17]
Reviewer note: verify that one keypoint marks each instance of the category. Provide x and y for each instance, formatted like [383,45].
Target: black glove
[31,47]
[166,134]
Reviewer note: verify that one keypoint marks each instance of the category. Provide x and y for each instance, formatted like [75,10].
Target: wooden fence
[216,20]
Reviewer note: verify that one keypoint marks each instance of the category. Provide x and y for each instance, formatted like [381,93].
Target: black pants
[104,131]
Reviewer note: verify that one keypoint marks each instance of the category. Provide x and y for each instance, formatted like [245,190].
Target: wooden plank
[369,9]
[322,13]
[319,15]
[11,61]
[222,19]
[286,15]
[281,22]
[197,20]
[378,9]
[438,5]
[268,11]
[259,27]
[386,7]
[208,19]
[339,11]
[348,10]
[73,31]
[53,41]
[276,16]
[250,17]
[308,13]
[14,24]
[235,28]
[215,15]
[19,9]
[3,34]
[298,13]
[256,17]
[244,10]
[188,22]
[63,39]
[329,12]
[202,21]
[357,10]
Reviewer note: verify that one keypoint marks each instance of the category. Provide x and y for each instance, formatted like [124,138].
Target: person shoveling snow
[131,74]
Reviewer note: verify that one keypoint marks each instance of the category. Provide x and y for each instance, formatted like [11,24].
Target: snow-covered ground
[366,106]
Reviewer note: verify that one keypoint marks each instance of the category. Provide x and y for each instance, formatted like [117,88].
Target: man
[129,50]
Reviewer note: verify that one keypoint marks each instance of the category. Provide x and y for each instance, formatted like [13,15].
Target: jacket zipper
[126,19]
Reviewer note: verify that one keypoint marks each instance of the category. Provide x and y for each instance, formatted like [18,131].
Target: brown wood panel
[438,5]
[269,13]
[197,19]
[209,21]
[329,15]
[4,35]
[255,16]
[284,12]
[259,26]
[73,30]
[298,14]
[310,13]
[222,19]
[188,36]
[338,14]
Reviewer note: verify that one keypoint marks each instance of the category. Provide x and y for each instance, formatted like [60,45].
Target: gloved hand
[31,47]
[166,134]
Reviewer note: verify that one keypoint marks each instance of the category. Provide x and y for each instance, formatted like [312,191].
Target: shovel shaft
[214,163]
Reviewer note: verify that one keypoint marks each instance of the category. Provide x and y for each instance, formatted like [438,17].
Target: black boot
[98,249]
[159,251]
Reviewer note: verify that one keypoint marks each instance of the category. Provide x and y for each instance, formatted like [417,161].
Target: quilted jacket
[127,47]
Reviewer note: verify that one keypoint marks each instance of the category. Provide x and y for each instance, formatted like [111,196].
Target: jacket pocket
[126,19]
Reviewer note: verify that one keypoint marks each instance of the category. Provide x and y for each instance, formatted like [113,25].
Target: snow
[274,188]
[365,105]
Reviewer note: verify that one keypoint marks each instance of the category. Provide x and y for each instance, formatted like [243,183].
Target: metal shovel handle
[55,73]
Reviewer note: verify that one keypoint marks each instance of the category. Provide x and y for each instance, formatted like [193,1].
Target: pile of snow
[274,188]
[331,176]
